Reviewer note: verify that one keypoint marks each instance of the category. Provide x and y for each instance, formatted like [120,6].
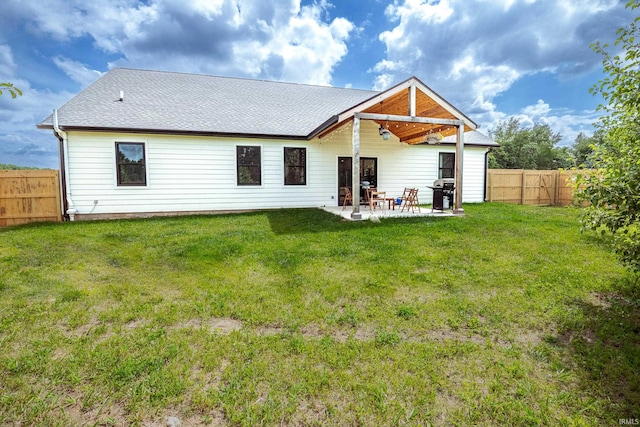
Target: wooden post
[412,100]
[355,168]
[459,162]
[491,187]
[556,189]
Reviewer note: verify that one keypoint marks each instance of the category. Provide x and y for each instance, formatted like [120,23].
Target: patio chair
[410,200]
[405,196]
[375,198]
[416,202]
[367,193]
[347,197]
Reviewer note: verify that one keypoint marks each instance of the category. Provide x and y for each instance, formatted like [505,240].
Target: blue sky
[492,59]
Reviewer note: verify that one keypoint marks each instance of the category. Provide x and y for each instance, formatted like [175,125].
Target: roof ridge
[241,78]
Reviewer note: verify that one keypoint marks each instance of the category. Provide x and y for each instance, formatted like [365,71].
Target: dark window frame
[446,172]
[244,170]
[123,164]
[300,168]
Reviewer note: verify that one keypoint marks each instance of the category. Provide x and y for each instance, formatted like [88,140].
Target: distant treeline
[4,166]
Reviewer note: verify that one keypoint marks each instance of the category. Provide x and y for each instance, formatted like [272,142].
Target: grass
[507,316]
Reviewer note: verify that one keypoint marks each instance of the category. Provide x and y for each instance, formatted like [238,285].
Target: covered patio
[414,114]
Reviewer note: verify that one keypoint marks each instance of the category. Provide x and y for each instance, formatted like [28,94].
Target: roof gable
[401,101]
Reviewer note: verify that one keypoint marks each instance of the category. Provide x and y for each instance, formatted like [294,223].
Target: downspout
[61,179]
[64,172]
[486,172]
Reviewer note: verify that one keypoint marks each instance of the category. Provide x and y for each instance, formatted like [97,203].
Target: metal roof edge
[328,123]
[174,132]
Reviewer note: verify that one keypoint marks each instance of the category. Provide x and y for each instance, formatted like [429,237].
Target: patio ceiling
[397,101]
[414,133]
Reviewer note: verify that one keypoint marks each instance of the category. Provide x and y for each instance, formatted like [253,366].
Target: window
[248,165]
[131,164]
[295,166]
[447,165]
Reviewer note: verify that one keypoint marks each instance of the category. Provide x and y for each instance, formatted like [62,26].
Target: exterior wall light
[385,133]
[433,138]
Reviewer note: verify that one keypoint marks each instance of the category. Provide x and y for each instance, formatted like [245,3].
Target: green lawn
[507,316]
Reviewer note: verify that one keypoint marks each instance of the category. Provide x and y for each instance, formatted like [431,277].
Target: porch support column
[412,100]
[355,168]
[459,163]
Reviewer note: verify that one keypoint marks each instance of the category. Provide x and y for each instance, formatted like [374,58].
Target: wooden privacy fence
[29,196]
[531,187]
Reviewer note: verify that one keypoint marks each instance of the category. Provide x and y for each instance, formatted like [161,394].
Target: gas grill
[443,190]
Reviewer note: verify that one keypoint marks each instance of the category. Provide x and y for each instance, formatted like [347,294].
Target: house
[138,143]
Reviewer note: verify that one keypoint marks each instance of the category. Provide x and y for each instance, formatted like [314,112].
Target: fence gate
[531,187]
[29,196]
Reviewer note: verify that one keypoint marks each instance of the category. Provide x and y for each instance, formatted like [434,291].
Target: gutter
[64,169]
[331,121]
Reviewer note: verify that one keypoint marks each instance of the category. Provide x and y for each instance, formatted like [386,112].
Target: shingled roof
[179,103]
[157,101]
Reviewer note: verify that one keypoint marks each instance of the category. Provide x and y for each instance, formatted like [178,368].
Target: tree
[14,91]
[5,166]
[613,190]
[583,148]
[526,148]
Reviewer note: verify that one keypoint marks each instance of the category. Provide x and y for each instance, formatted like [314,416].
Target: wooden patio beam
[410,119]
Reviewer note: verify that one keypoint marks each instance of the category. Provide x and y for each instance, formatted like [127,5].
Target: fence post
[523,187]
[557,187]
[490,178]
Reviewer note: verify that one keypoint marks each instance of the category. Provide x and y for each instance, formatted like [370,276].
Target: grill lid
[439,183]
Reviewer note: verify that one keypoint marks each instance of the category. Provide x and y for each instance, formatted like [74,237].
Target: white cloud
[304,50]
[497,42]
[383,81]
[77,71]
[208,8]
[106,22]
[540,109]
[279,40]
[430,12]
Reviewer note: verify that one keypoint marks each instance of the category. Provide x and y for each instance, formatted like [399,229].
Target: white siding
[199,173]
